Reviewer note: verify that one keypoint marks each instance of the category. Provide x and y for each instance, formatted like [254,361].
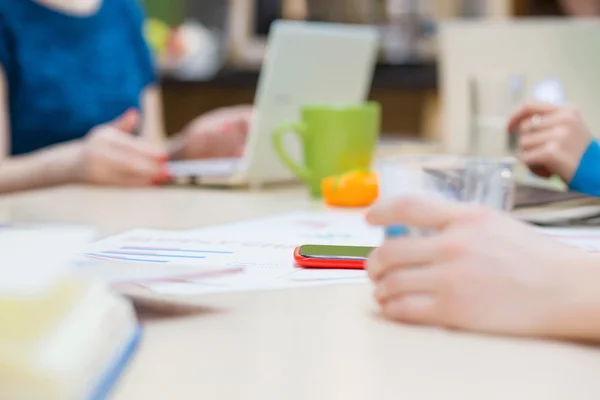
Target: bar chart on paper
[147,255]
[156,255]
[157,247]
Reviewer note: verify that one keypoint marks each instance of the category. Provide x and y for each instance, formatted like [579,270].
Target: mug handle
[300,130]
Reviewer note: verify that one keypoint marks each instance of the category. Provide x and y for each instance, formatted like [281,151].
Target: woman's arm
[53,166]
[107,155]
[49,167]
[153,125]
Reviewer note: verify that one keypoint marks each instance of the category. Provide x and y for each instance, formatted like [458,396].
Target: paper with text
[587,239]
[156,255]
[33,259]
[263,248]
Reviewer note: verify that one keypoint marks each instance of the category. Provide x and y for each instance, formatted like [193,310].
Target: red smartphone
[332,257]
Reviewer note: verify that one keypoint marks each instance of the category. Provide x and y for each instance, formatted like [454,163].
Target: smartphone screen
[335,252]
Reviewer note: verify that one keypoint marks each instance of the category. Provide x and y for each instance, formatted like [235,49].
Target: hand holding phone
[332,257]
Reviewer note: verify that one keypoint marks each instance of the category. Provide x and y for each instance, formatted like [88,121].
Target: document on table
[587,239]
[149,256]
[262,248]
[309,227]
[33,258]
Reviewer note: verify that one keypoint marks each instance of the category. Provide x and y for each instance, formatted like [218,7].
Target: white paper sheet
[310,227]
[264,249]
[34,258]
[587,239]
[268,262]
[155,255]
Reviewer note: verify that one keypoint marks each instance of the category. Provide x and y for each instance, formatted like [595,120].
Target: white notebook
[79,357]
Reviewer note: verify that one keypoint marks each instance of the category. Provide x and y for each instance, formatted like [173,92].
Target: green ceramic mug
[336,138]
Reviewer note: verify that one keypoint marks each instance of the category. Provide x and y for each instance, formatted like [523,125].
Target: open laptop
[306,62]
[559,60]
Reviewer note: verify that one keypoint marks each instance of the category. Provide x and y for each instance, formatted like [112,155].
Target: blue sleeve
[587,177]
[5,51]
[145,54]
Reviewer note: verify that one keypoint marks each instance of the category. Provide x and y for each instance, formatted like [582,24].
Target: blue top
[66,73]
[587,177]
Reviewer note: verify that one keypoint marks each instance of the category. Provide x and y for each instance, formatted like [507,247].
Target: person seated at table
[80,102]
[482,271]
[555,140]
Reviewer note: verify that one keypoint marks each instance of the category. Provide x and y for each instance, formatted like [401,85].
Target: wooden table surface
[316,343]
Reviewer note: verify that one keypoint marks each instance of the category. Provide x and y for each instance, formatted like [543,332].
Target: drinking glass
[470,179]
[492,98]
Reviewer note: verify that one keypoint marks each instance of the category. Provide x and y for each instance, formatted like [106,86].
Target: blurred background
[210,50]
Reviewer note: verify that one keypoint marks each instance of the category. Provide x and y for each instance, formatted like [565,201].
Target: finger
[245,111]
[421,212]
[242,117]
[537,139]
[224,145]
[241,149]
[538,123]
[527,111]
[128,122]
[418,309]
[404,281]
[403,252]
[129,167]
[135,145]
[542,156]
[238,137]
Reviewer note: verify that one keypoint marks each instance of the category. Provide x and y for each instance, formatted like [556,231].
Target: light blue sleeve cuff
[587,177]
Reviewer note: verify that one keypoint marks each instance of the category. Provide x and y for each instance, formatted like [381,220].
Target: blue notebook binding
[110,378]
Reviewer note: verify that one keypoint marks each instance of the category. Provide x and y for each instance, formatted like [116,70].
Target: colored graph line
[100,256]
[170,249]
[125,253]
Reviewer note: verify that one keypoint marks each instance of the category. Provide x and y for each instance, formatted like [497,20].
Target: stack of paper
[142,256]
[60,339]
[262,249]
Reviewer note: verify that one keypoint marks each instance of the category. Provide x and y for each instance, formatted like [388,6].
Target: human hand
[110,155]
[220,133]
[552,139]
[482,271]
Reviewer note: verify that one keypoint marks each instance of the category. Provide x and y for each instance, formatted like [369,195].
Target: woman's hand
[111,155]
[221,133]
[482,271]
[552,139]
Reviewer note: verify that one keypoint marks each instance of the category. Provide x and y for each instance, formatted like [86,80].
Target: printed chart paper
[260,251]
[155,255]
[587,239]
[262,248]
[33,259]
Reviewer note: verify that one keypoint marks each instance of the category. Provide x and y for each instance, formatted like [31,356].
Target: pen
[394,231]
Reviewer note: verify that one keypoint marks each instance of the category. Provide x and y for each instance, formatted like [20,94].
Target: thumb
[419,212]
[527,111]
[128,121]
